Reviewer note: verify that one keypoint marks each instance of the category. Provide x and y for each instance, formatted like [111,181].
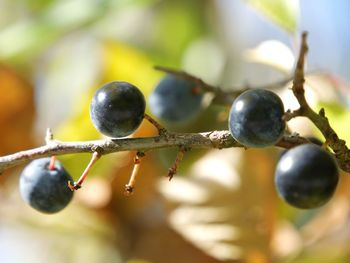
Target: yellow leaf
[122,62]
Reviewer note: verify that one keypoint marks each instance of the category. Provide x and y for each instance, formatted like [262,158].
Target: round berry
[175,99]
[315,140]
[306,176]
[117,109]
[312,140]
[43,189]
[255,118]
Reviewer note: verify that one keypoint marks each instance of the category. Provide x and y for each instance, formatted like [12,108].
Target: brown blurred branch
[221,96]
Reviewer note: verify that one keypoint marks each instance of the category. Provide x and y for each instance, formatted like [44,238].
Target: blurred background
[222,205]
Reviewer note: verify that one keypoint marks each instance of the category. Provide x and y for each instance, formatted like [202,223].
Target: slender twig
[179,156]
[221,96]
[182,74]
[160,128]
[206,140]
[320,120]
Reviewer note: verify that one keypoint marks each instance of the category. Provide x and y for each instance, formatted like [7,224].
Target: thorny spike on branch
[213,139]
[178,159]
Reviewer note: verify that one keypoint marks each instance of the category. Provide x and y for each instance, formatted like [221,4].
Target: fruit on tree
[255,118]
[43,188]
[315,140]
[306,176]
[175,99]
[311,139]
[117,109]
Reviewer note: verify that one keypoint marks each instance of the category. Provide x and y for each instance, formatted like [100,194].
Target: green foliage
[339,118]
[284,13]
[220,206]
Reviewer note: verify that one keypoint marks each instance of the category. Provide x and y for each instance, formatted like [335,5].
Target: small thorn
[48,136]
[322,112]
[173,170]
[171,173]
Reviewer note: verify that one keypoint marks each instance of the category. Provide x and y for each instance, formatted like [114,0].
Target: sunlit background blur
[222,205]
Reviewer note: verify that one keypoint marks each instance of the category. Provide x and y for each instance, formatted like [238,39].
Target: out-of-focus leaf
[339,118]
[66,75]
[72,235]
[204,58]
[287,240]
[223,208]
[322,254]
[25,38]
[326,236]
[16,112]
[125,63]
[273,53]
[97,193]
[28,37]
[284,13]
[329,88]
[176,24]
[37,5]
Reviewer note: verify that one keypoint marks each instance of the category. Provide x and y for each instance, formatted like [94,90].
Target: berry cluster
[117,109]
[306,176]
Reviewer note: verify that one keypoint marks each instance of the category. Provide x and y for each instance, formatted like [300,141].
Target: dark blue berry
[117,109]
[175,99]
[43,189]
[312,139]
[255,118]
[306,176]
[315,140]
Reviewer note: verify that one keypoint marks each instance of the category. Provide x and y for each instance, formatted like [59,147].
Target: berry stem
[160,128]
[129,187]
[77,185]
[52,163]
[178,159]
